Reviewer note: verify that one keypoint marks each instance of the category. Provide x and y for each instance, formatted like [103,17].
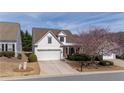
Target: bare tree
[96,41]
[92,39]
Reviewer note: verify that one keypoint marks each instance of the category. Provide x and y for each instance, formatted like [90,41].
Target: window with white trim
[61,39]
[10,47]
[49,40]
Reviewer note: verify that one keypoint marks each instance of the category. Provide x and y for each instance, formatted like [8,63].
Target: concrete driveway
[56,68]
[118,62]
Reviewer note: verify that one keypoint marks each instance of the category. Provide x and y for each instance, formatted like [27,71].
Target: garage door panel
[48,55]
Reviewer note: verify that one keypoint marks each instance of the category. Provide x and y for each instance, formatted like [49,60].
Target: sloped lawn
[7,67]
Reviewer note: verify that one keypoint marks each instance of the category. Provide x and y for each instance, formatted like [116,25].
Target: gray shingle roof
[9,31]
[38,33]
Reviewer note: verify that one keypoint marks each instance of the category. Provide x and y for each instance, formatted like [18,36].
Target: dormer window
[61,39]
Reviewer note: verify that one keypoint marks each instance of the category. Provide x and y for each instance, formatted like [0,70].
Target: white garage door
[48,55]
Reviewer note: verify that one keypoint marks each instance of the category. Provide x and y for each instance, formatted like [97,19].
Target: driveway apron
[56,68]
[118,62]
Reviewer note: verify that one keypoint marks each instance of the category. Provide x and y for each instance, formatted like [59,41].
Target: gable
[61,34]
[38,33]
[44,40]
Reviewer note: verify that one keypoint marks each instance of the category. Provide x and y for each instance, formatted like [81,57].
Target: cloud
[74,21]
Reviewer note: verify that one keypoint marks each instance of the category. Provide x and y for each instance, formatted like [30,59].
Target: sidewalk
[45,76]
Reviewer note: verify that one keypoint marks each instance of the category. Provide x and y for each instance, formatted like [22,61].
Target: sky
[76,22]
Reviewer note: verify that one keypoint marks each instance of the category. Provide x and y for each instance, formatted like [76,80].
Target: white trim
[63,33]
[45,35]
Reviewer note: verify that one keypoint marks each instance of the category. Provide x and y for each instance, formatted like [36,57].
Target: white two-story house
[53,44]
[10,37]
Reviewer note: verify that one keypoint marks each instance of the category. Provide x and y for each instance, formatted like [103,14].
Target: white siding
[43,45]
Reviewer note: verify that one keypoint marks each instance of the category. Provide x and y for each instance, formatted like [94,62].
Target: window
[2,47]
[49,40]
[6,47]
[62,39]
[10,47]
[13,47]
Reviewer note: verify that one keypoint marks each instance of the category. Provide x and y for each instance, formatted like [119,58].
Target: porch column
[75,50]
[15,50]
[64,52]
[67,50]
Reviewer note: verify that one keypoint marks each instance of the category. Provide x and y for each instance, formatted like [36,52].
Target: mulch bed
[9,67]
[22,70]
[76,65]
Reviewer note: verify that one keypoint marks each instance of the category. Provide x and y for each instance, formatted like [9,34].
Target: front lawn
[76,65]
[8,66]
[82,62]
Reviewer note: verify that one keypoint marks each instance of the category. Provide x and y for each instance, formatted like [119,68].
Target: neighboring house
[109,50]
[53,44]
[10,37]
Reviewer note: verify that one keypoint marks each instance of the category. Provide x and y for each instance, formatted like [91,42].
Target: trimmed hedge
[106,63]
[7,54]
[32,58]
[79,57]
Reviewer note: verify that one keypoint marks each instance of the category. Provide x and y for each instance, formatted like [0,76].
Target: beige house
[10,37]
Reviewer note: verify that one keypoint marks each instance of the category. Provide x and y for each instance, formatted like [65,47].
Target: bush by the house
[1,54]
[98,58]
[32,58]
[7,54]
[120,56]
[19,56]
[106,63]
[28,54]
[79,57]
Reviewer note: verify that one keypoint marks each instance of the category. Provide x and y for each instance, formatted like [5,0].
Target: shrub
[98,58]
[7,54]
[19,56]
[32,58]
[28,54]
[106,63]
[79,57]
[1,54]
[120,57]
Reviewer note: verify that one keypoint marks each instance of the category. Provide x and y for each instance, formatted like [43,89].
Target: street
[119,76]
